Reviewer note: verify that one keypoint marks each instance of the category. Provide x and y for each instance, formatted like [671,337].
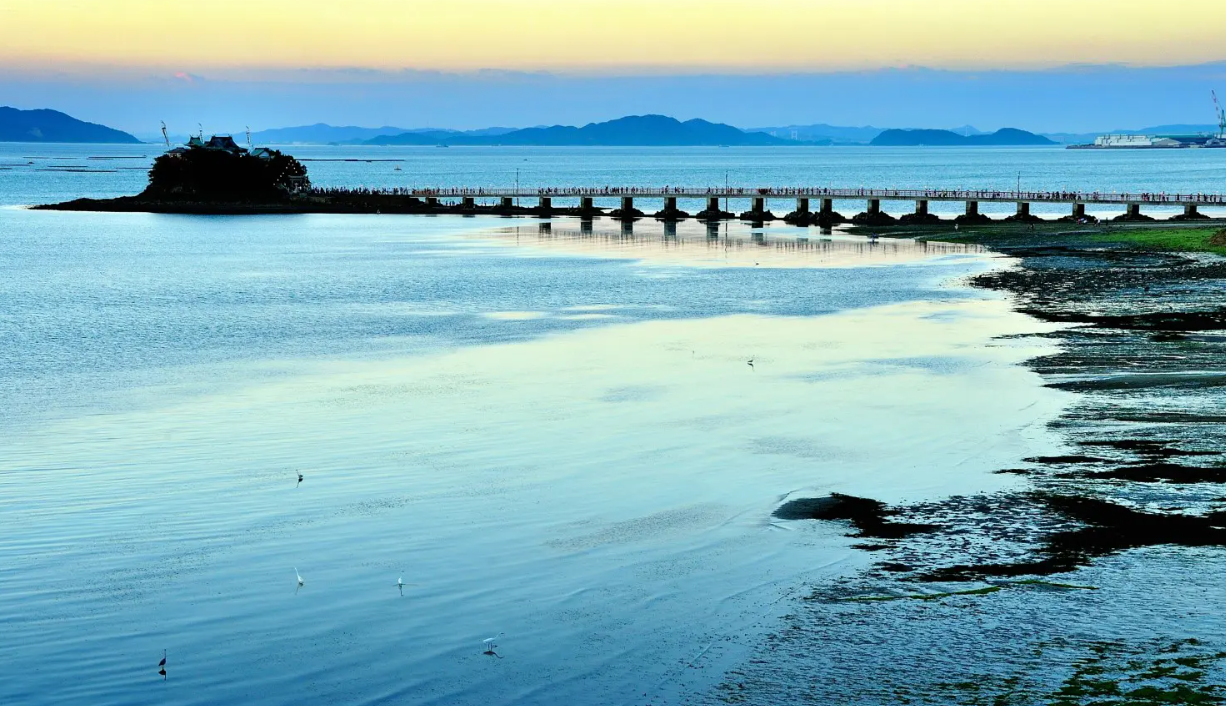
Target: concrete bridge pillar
[1079,211]
[585,203]
[431,200]
[802,205]
[827,207]
[759,204]
[921,207]
[546,203]
[1023,209]
[712,203]
[874,207]
[972,208]
[627,204]
[1189,210]
[1134,210]
[670,203]
[467,202]
[507,202]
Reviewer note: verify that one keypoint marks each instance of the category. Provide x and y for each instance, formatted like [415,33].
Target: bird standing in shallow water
[162,666]
[301,581]
[299,480]
[750,364]
[491,644]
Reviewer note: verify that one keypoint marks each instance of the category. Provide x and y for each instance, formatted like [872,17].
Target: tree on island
[214,174]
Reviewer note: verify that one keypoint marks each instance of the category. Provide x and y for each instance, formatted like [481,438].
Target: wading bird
[750,364]
[299,480]
[301,582]
[491,644]
[163,662]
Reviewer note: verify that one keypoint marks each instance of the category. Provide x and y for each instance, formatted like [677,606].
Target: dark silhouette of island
[214,176]
[947,138]
[53,126]
[221,170]
[630,131]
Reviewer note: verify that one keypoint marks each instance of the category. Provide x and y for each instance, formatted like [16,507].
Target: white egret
[491,644]
[300,579]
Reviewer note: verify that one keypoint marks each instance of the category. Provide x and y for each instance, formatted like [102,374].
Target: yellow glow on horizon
[597,35]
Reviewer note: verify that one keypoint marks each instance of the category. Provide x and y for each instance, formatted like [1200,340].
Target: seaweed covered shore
[1095,582]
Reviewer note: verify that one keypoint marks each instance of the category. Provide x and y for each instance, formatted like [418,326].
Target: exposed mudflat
[1096,582]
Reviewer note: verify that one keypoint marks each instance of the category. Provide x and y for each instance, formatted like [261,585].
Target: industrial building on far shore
[1144,142]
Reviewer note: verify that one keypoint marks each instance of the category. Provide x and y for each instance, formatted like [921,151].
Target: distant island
[213,176]
[947,138]
[53,126]
[630,131]
[324,134]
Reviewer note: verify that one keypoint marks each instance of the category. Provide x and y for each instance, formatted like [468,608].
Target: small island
[213,176]
[1004,137]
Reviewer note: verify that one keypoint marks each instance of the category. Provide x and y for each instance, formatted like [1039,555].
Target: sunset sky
[1037,64]
[627,35]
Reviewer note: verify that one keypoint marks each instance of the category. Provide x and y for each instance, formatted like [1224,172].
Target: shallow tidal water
[554,436]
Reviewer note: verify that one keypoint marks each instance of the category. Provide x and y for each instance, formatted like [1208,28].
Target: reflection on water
[601,496]
[724,244]
[450,435]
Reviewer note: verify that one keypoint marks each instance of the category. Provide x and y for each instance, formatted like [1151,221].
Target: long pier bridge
[822,198]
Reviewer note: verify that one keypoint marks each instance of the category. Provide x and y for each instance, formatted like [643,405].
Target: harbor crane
[1221,116]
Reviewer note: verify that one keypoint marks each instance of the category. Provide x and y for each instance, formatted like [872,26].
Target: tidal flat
[1132,509]
[555,434]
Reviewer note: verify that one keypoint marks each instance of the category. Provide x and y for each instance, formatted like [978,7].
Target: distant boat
[442,145]
[397,168]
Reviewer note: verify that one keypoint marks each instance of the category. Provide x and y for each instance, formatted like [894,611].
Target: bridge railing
[832,193]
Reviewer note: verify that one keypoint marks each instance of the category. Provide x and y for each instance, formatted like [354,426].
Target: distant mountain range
[633,130]
[54,126]
[823,134]
[948,138]
[324,134]
[636,130]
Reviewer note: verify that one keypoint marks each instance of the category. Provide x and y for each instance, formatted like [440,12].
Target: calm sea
[551,436]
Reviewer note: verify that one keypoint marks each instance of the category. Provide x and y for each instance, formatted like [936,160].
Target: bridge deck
[1095,197]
